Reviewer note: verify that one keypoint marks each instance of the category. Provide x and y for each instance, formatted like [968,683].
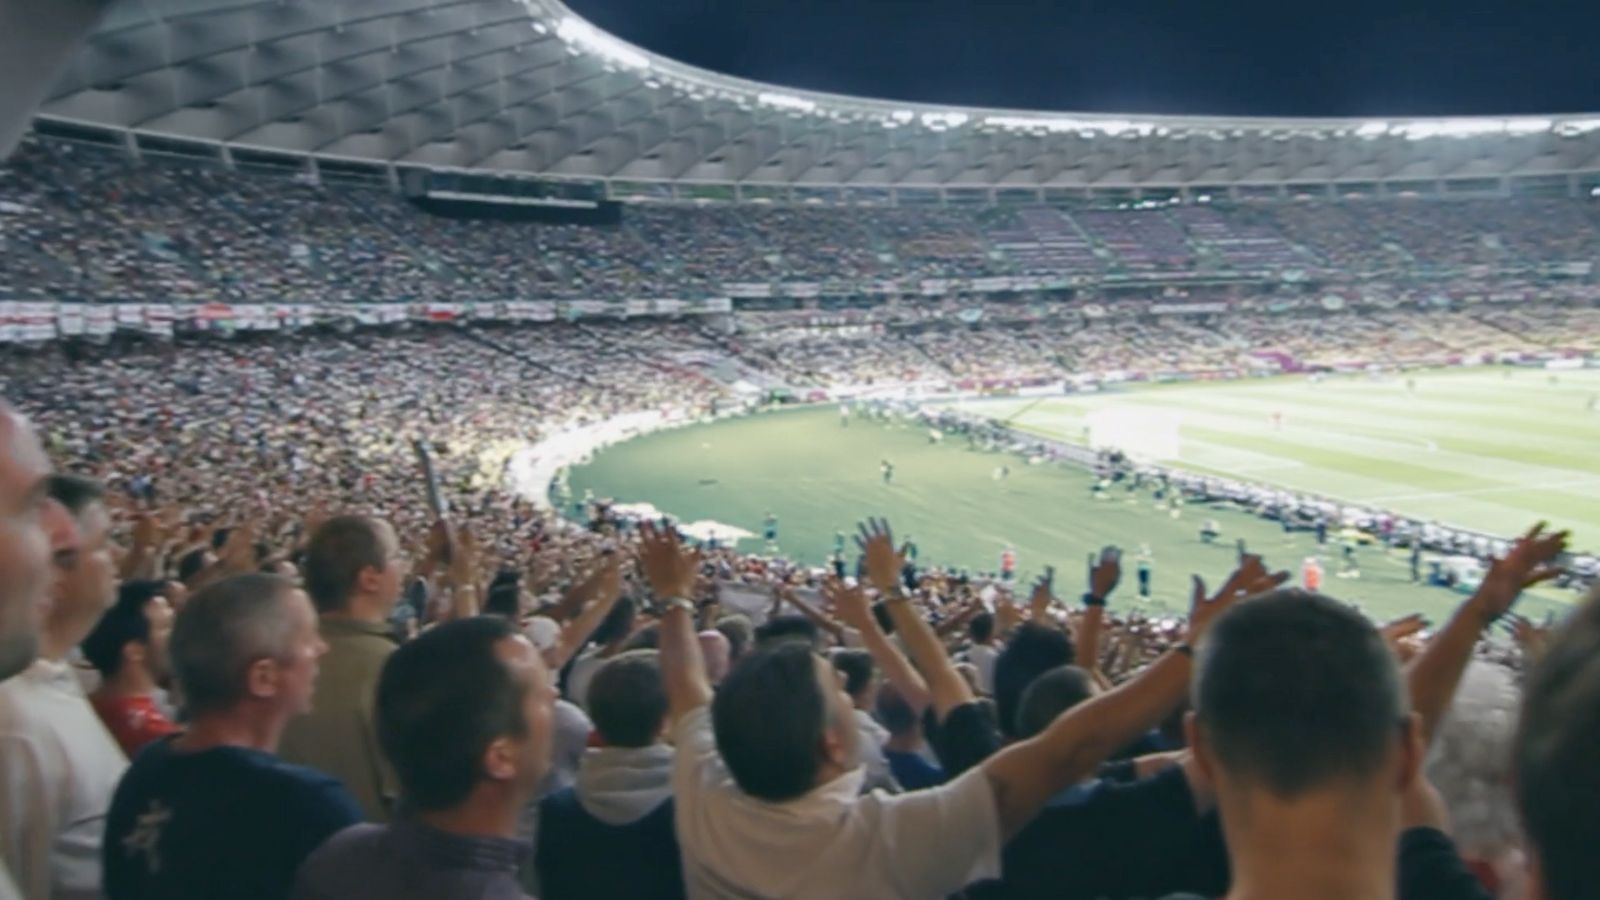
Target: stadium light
[580,34]
[786,101]
[939,120]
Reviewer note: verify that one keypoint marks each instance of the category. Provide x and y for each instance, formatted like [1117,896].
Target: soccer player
[887,469]
[1351,568]
[1209,529]
[1008,564]
[1144,563]
[844,415]
[771,528]
[1416,559]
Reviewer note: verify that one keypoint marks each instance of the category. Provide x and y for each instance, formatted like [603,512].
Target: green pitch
[1503,455]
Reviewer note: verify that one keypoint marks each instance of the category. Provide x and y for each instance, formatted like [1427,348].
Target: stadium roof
[526,86]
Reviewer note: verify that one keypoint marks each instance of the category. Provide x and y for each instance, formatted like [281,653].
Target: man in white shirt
[983,651]
[58,764]
[32,524]
[765,781]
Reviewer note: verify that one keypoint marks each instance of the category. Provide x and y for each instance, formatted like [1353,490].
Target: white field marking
[1472,492]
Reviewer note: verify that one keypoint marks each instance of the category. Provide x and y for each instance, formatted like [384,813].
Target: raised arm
[946,687]
[605,588]
[1027,774]
[671,569]
[1103,578]
[851,606]
[1436,673]
[788,595]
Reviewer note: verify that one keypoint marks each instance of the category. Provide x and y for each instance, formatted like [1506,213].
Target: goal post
[1143,434]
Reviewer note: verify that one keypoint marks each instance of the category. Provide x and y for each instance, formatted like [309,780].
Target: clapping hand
[850,604]
[1528,563]
[668,566]
[884,563]
[1251,579]
[1106,573]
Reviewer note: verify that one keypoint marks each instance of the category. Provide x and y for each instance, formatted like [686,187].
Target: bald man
[33,528]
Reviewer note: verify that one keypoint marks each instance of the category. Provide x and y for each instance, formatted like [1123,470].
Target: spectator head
[133,635]
[354,565]
[464,715]
[504,600]
[895,713]
[1297,697]
[856,667]
[740,634]
[783,723]
[788,628]
[33,526]
[618,623]
[1031,651]
[86,576]
[627,701]
[1557,781]
[247,647]
[1050,695]
[981,628]
[193,563]
[714,648]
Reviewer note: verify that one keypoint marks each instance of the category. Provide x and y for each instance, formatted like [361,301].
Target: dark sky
[1239,57]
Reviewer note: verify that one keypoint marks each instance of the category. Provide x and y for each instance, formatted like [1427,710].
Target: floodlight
[786,101]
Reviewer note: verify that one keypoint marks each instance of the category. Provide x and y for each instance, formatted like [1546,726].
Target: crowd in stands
[273,626]
[254,607]
[87,222]
[574,712]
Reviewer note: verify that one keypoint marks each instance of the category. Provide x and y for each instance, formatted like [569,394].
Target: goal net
[1143,434]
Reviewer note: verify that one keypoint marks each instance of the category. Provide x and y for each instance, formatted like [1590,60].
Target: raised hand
[667,565]
[884,563]
[850,604]
[1105,574]
[1528,563]
[239,550]
[1006,615]
[1251,579]
[1044,594]
[1400,634]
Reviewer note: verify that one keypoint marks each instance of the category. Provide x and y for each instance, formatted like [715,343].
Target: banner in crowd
[31,321]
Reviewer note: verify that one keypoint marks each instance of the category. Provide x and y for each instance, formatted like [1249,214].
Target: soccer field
[820,478]
[1480,449]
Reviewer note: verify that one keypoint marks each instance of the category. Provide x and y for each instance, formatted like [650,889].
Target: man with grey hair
[212,812]
[32,526]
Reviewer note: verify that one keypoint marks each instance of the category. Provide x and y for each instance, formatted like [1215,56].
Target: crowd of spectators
[255,607]
[272,625]
[88,222]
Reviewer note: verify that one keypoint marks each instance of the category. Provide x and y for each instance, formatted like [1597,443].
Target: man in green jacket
[354,569]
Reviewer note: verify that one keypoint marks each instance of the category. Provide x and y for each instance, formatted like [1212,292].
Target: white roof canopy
[525,86]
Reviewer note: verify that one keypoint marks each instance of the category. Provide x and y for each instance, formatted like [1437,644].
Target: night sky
[1245,57]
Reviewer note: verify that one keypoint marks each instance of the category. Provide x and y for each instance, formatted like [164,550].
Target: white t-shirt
[982,657]
[582,672]
[831,844]
[58,769]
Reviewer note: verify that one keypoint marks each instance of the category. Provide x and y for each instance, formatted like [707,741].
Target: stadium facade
[526,89]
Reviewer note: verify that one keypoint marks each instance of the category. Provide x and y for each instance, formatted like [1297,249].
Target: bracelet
[668,604]
[1089,599]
